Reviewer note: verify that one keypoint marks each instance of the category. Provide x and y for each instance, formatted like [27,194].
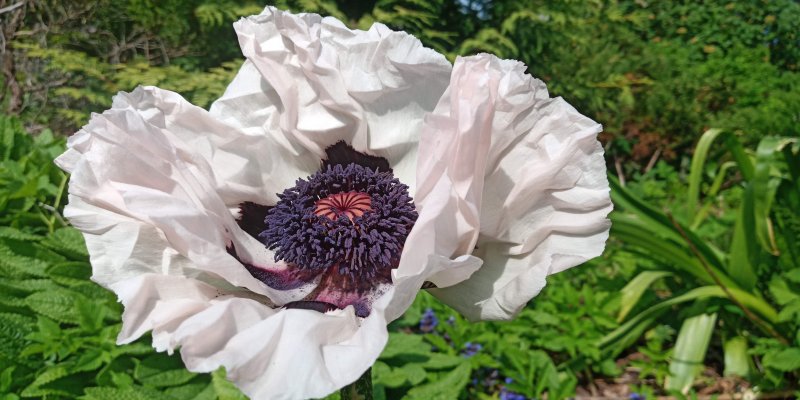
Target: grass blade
[696,169]
[633,291]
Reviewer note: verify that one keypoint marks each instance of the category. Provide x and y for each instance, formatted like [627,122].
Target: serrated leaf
[446,387]
[13,265]
[785,360]
[68,242]
[385,375]
[442,361]
[202,390]
[223,388]
[13,330]
[160,370]
[132,393]
[15,234]
[414,373]
[781,291]
[404,344]
[71,273]
[43,378]
[58,305]
[91,360]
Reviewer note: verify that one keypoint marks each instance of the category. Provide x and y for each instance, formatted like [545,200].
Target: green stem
[361,389]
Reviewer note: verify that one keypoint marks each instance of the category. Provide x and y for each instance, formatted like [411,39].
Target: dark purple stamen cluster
[365,247]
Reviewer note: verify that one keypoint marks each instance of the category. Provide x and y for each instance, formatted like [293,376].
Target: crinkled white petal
[370,88]
[155,172]
[269,354]
[544,195]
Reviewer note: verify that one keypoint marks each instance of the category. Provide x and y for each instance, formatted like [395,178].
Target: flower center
[351,218]
[349,204]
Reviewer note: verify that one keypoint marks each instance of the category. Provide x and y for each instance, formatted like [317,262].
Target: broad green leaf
[132,393]
[69,242]
[160,370]
[201,390]
[223,388]
[781,291]
[13,330]
[785,360]
[442,361]
[387,376]
[58,305]
[633,291]
[404,344]
[690,351]
[445,387]
[91,360]
[43,378]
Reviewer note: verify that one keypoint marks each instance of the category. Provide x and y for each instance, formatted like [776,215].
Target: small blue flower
[506,394]
[636,396]
[429,321]
[470,349]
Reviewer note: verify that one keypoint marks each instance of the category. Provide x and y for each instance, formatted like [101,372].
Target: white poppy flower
[277,234]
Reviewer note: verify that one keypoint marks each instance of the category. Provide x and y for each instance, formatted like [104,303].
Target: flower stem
[361,389]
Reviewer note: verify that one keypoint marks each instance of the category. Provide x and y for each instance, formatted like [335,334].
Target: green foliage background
[701,280]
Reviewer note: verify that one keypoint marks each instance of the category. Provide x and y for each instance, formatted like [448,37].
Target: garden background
[697,294]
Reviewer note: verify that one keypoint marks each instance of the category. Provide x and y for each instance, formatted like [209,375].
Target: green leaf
[43,378]
[68,242]
[781,291]
[696,169]
[442,361]
[13,330]
[160,370]
[785,360]
[91,360]
[753,303]
[765,183]
[58,305]
[223,388]
[737,361]
[743,246]
[444,387]
[690,351]
[132,393]
[404,344]
[6,378]
[633,291]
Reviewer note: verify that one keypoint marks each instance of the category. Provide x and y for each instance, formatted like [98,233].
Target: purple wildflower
[470,349]
[429,321]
